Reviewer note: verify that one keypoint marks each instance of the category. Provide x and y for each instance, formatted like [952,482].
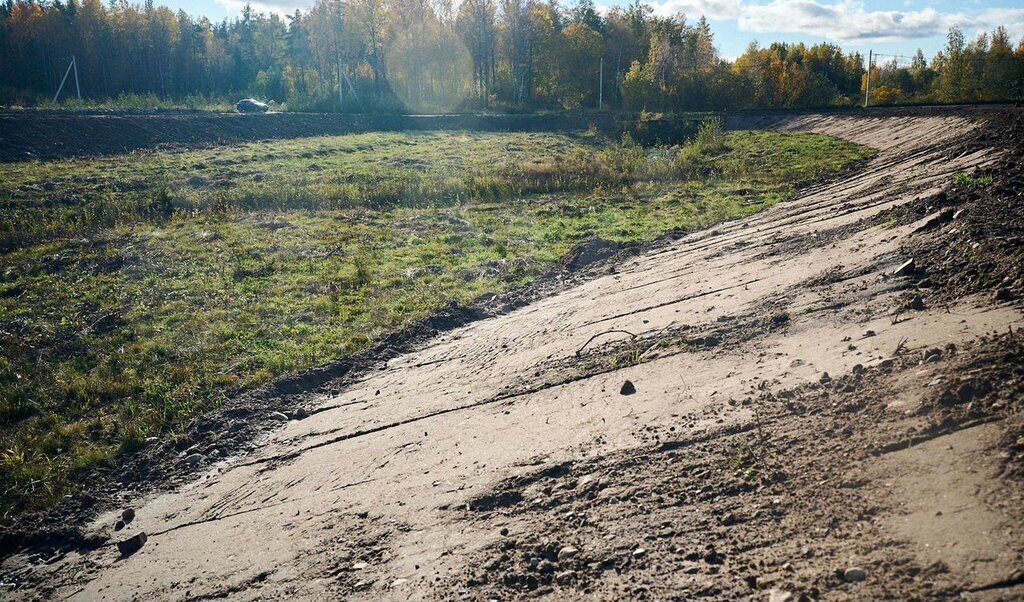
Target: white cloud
[281,7]
[843,21]
[693,9]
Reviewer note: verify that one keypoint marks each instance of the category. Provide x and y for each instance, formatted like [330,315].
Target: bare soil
[803,420]
[48,135]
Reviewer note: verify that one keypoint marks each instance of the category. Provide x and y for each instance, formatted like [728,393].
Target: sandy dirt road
[506,458]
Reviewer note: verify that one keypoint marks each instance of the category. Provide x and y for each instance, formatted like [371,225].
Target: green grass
[969,181]
[139,291]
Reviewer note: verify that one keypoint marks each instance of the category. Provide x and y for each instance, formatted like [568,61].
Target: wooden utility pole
[600,88]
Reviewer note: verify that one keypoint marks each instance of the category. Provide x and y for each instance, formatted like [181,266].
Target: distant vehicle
[251,105]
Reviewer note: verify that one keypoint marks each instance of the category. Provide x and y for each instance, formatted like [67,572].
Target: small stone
[906,268]
[869,333]
[359,566]
[278,416]
[119,525]
[566,553]
[132,545]
[194,459]
[504,531]
[885,364]
[627,388]
[807,552]
[639,553]
[854,574]
[299,414]
[917,303]
[825,378]
[546,566]
[779,595]
[1003,294]
[128,515]
[932,355]
[858,369]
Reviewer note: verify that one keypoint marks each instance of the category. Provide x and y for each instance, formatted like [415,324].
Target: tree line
[415,55]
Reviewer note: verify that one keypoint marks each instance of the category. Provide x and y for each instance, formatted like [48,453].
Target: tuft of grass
[138,292]
[969,181]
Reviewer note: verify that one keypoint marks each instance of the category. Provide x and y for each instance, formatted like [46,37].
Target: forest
[415,55]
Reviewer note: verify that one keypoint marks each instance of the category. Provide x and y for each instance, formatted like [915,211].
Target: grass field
[138,291]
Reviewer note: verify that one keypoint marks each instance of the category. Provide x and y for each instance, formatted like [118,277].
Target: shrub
[711,135]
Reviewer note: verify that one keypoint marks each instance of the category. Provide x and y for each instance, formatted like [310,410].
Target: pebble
[639,552]
[359,566]
[128,515]
[567,553]
[917,303]
[779,595]
[627,388]
[193,459]
[908,267]
[132,544]
[299,414]
[854,574]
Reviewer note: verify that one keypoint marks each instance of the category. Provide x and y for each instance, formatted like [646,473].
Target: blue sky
[897,27]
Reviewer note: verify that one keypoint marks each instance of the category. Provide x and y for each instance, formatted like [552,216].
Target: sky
[889,27]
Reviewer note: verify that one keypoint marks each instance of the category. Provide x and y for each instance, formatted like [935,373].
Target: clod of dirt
[589,252]
[917,303]
[936,219]
[1003,294]
[627,388]
[854,575]
[132,545]
[907,268]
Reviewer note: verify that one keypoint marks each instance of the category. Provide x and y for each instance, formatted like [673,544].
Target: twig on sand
[580,350]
